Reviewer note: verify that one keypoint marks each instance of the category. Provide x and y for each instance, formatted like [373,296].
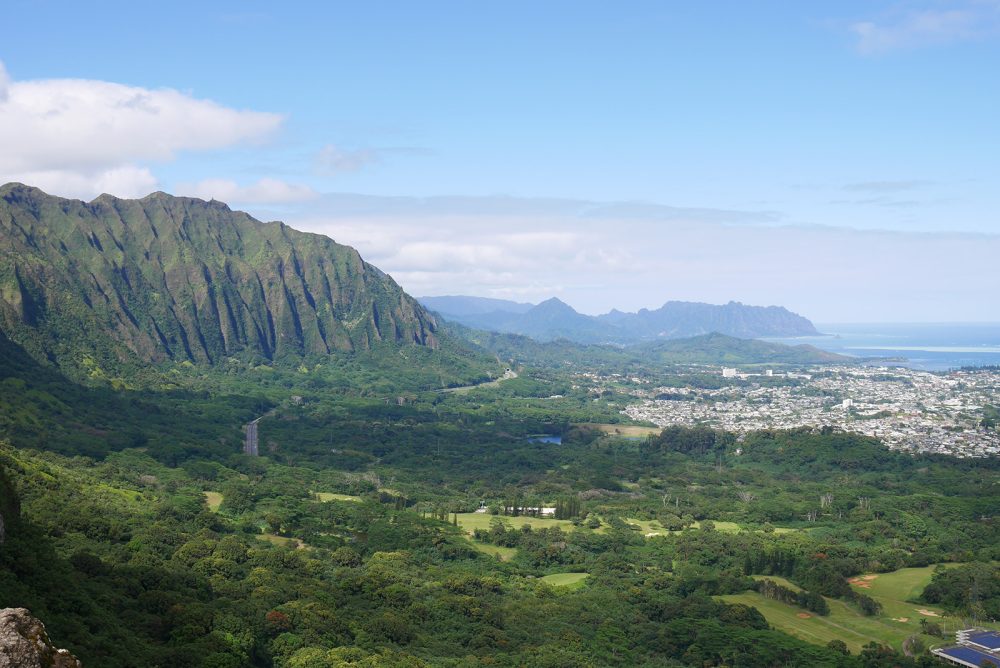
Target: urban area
[917,411]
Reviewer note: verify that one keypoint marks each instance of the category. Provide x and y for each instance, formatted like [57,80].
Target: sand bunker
[803,615]
[862,581]
[928,613]
[901,619]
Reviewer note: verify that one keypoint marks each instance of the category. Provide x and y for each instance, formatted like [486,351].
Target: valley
[427,493]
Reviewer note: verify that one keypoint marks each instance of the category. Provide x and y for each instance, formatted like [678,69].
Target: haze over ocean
[927,346]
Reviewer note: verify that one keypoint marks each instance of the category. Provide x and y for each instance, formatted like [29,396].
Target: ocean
[926,346]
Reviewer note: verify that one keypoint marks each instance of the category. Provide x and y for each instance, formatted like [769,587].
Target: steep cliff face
[25,644]
[179,278]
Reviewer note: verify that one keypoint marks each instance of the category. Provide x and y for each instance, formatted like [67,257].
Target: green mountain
[175,278]
[721,349]
[711,349]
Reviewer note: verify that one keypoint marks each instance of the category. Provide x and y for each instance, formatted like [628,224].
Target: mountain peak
[554,304]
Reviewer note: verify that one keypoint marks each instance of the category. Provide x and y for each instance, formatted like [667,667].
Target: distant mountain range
[554,319]
[176,278]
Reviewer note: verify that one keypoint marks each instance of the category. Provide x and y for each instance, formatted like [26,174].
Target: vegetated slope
[554,319]
[707,349]
[721,349]
[179,278]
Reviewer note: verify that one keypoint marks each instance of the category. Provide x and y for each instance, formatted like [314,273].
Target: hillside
[176,278]
[554,319]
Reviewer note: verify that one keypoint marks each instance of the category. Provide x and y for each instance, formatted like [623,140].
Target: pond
[545,438]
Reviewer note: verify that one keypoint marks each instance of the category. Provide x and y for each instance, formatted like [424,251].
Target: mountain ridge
[179,278]
[554,319]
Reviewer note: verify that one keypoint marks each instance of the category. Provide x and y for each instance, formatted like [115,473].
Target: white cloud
[534,250]
[4,83]
[913,28]
[86,136]
[266,190]
[122,181]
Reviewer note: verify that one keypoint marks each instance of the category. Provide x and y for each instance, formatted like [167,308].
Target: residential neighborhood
[907,410]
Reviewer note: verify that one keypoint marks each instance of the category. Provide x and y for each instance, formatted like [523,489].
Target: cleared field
[214,500]
[281,540]
[780,580]
[899,619]
[329,496]
[624,430]
[906,584]
[505,553]
[472,521]
[843,623]
[569,580]
[649,527]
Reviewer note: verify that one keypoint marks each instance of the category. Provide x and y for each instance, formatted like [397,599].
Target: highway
[250,442]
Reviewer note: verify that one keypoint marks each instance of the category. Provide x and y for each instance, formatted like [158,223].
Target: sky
[841,159]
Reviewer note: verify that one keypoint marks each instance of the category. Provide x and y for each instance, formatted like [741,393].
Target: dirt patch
[901,619]
[928,613]
[803,615]
[862,581]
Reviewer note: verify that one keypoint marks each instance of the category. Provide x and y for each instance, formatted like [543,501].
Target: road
[250,442]
[491,383]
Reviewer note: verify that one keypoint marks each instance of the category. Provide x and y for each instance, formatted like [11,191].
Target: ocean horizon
[925,346]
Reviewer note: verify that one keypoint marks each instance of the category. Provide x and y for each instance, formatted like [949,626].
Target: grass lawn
[843,623]
[214,500]
[569,580]
[472,521]
[505,553]
[281,540]
[648,526]
[625,430]
[329,496]
[906,584]
[899,619]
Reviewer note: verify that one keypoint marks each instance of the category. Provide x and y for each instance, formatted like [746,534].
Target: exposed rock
[25,644]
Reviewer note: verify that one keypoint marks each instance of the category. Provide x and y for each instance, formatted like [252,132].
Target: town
[907,410]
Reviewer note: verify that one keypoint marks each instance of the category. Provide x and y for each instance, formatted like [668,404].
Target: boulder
[25,644]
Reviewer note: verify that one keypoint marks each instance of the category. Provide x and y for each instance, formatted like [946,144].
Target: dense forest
[141,535]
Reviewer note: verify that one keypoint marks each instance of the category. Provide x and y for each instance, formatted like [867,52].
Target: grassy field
[569,580]
[900,617]
[329,496]
[624,430]
[649,527]
[505,553]
[472,521]
[214,500]
[906,584]
[281,540]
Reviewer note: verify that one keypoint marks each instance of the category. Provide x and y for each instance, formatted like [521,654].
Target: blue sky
[848,142]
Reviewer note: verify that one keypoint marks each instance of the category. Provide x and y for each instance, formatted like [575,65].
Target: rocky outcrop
[177,278]
[25,644]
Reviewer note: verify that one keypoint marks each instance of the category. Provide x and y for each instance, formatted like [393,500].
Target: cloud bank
[597,256]
[264,190]
[81,137]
